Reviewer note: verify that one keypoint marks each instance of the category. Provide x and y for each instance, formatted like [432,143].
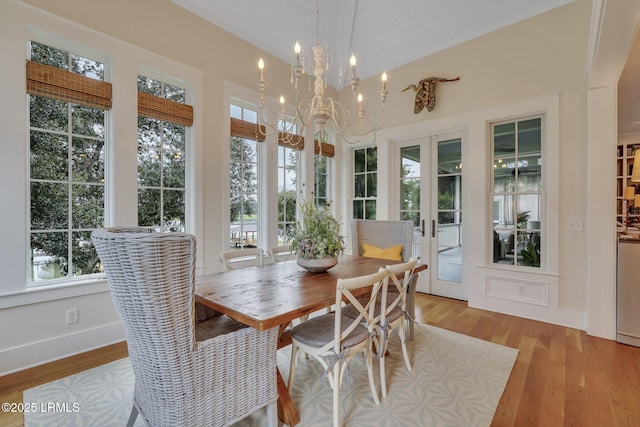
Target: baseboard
[558,316]
[37,353]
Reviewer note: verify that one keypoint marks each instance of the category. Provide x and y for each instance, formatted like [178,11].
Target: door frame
[426,281]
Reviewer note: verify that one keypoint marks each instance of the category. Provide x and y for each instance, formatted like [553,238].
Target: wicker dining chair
[241,258]
[333,339]
[193,366]
[382,234]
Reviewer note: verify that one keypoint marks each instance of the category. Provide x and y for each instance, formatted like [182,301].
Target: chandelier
[319,111]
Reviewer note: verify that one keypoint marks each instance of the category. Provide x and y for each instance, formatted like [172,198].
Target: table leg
[287,412]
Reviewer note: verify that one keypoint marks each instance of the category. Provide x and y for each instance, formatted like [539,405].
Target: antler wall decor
[426,92]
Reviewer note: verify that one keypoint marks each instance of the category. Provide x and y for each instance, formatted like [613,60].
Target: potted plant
[316,241]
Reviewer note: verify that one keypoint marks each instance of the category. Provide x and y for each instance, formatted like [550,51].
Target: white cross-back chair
[384,234]
[394,300]
[193,366]
[241,258]
[280,253]
[333,339]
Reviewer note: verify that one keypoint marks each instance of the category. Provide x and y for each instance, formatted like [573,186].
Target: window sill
[45,293]
[519,269]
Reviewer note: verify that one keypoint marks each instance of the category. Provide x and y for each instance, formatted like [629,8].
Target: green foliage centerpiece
[317,241]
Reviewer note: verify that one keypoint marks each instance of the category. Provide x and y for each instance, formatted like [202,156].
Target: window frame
[541,193]
[371,199]
[286,152]
[70,181]
[325,176]
[187,155]
[249,113]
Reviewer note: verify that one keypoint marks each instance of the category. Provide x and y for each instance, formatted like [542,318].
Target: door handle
[433,228]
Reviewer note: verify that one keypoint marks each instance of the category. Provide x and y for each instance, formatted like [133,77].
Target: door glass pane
[449,210]
[410,192]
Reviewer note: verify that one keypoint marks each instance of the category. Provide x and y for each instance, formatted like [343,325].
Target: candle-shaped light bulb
[384,80]
[296,49]
[261,68]
[282,103]
[360,98]
[352,61]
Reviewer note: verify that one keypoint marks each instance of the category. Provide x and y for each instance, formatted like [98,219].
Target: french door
[430,189]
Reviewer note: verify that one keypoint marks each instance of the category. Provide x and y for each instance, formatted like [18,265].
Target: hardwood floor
[562,376]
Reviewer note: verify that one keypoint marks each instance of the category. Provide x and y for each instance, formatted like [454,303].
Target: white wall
[535,65]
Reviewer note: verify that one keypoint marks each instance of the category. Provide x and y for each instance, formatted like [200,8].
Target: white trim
[52,292]
[517,290]
[56,348]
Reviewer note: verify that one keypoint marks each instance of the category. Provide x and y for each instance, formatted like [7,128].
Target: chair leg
[405,352]
[292,365]
[383,375]
[272,414]
[372,384]
[336,394]
[411,324]
[133,416]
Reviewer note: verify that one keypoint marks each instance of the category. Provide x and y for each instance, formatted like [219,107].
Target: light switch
[575,224]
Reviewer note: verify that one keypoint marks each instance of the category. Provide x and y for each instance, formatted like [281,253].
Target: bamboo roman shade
[297,141]
[328,150]
[154,107]
[51,82]
[247,130]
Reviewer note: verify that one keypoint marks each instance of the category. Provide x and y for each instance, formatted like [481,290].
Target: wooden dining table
[273,295]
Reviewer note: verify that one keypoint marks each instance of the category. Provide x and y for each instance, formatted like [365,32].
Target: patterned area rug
[456,381]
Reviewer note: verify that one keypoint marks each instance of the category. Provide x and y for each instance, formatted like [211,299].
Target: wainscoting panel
[526,291]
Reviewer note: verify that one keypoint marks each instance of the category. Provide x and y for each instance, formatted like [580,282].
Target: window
[365,179]
[161,163]
[320,180]
[287,192]
[243,183]
[66,167]
[517,192]
[288,160]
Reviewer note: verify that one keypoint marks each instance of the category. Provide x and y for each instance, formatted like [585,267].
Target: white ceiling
[382,34]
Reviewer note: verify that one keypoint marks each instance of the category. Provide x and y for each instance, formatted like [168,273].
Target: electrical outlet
[72,316]
[522,290]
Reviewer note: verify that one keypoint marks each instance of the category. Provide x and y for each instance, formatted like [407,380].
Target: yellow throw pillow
[392,252]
